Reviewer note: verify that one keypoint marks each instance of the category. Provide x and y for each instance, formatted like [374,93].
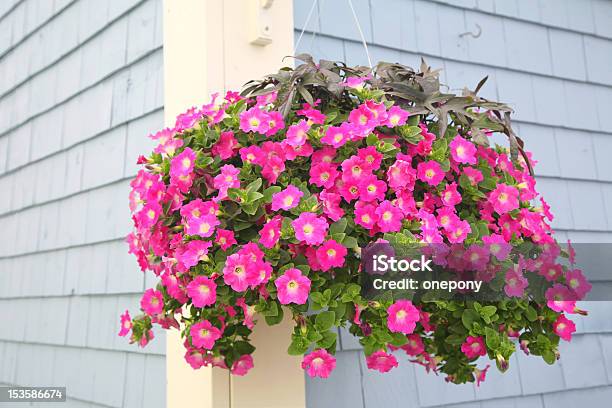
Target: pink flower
[401,175]
[270,233]
[481,375]
[389,217]
[578,283]
[225,238]
[497,246]
[463,151]
[331,205]
[298,134]
[353,168]
[261,272]
[325,154]
[126,324]
[248,312]
[372,189]
[458,231]
[195,358]
[194,252]
[202,291]
[251,154]
[204,335]
[148,215]
[335,136]
[504,198]
[203,226]
[365,215]
[254,120]
[414,346]
[381,361]
[236,272]
[515,283]
[323,174]
[450,196]
[551,271]
[227,178]
[402,317]
[243,365]
[293,287]
[287,198]
[560,299]
[182,164]
[473,347]
[474,176]
[152,302]
[275,123]
[371,157]
[396,116]
[430,172]
[331,255]
[319,363]
[309,228]
[564,327]
[224,148]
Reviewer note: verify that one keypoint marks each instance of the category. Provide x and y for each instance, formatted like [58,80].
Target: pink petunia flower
[497,246]
[560,298]
[335,136]
[474,175]
[371,157]
[331,255]
[309,228]
[414,346]
[389,217]
[504,198]
[319,363]
[577,283]
[515,283]
[203,226]
[225,146]
[204,334]
[462,150]
[323,174]
[227,178]
[195,358]
[402,317]
[331,205]
[152,302]
[298,134]
[237,273]
[270,232]
[247,311]
[254,120]
[126,324]
[225,238]
[287,198]
[381,361]
[450,196]
[365,215]
[275,123]
[430,172]
[473,347]
[396,116]
[193,252]
[243,365]
[293,287]
[564,327]
[372,189]
[481,375]
[202,291]
[401,175]
[325,154]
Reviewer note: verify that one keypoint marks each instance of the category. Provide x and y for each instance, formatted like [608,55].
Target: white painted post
[212,46]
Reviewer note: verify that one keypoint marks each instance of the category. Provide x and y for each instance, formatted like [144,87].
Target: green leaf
[411,134]
[468,318]
[338,226]
[328,339]
[325,320]
[243,347]
[492,339]
[272,320]
[299,345]
[350,242]
[269,192]
[531,314]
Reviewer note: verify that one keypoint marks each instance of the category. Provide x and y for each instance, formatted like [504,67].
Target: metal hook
[471,34]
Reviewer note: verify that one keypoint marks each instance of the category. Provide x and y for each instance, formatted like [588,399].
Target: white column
[208,47]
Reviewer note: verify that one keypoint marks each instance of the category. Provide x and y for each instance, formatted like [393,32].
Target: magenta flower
[271,232]
[225,238]
[148,215]
[381,361]
[298,134]
[275,123]
[237,273]
[474,176]
[450,196]
[560,299]
[203,226]
[457,231]
[564,327]
[323,174]
[228,178]
[204,335]
[182,164]
[152,302]
[309,228]
[504,198]
[473,347]
[243,365]
[254,120]
[578,283]
[497,246]
[372,189]
[353,168]
[515,283]
[402,317]
[331,205]
[396,116]
[365,215]
[335,136]
[401,175]
[414,346]
[389,217]
[195,358]
[202,291]
[430,172]
[287,198]
[225,146]
[481,375]
[292,287]
[331,255]
[463,151]
[126,324]
[319,363]
[193,252]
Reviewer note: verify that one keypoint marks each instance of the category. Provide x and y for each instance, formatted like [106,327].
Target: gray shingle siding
[545,58]
[81,85]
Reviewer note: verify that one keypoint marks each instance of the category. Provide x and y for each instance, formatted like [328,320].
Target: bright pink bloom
[194,252]
[195,358]
[365,215]
[481,375]
[414,346]
[182,164]
[372,189]
[381,361]
[396,116]
[204,335]
[473,347]
[463,151]
[497,246]
[450,196]
[551,271]
[243,365]
[504,198]
[252,154]
[262,271]
[349,189]
[227,178]
[325,154]
[248,312]
[203,226]
[293,287]
[353,168]
[148,215]
[126,324]
[323,174]
[298,134]
[275,123]
[331,255]
[152,302]
[430,172]
[403,317]
[254,120]
[225,238]
[473,175]
[458,231]
[401,175]
[331,204]
[335,136]
[226,145]
[578,283]
[371,157]
[515,283]
[237,273]
[287,198]
[560,299]
[389,217]
[319,363]
[270,233]
[202,291]
[564,327]
[309,228]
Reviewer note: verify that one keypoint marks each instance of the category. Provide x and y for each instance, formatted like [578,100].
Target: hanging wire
[363,41]
[297,43]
